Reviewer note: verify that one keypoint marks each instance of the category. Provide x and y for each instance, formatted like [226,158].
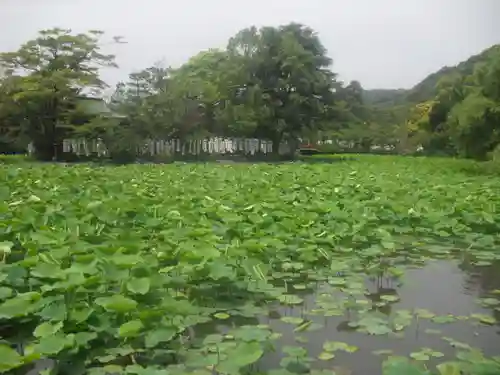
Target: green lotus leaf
[116,303]
[9,358]
[139,285]
[326,356]
[47,329]
[130,329]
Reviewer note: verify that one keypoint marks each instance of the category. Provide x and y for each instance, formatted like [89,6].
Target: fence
[215,145]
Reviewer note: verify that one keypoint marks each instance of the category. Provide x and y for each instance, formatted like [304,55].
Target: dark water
[441,287]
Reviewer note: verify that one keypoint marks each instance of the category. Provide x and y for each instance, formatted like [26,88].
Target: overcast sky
[381,43]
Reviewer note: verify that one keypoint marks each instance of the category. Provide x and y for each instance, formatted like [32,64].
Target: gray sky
[381,43]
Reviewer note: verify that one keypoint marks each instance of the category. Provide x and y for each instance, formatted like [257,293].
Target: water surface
[442,287]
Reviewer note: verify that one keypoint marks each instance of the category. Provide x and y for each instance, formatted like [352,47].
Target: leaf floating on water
[336,281]
[275,336]
[332,346]
[290,299]
[425,314]
[326,356]
[244,354]
[292,320]
[444,319]
[389,298]
[449,368]
[419,356]
[251,333]
[425,354]
[485,319]
[483,263]
[214,339]
[303,326]
[222,316]
[378,330]
[437,354]
[382,352]
[489,302]
[373,324]
[294,351]
[401,366]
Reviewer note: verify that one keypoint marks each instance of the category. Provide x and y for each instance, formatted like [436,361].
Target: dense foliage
[272,83]
[118,269]
[43,80]
[456,111]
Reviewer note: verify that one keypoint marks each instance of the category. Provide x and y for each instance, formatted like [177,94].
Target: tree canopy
[462,115]
[44,78]
[272,83]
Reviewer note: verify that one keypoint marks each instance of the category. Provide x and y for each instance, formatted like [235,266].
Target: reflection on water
[441,287]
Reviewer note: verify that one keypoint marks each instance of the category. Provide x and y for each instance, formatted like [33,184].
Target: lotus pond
[380,265]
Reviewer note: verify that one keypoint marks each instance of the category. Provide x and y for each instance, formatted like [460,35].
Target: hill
[384,97]
[426,89]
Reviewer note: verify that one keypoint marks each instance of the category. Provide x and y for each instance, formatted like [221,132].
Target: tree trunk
[44,149]
[276,142]
[294,146]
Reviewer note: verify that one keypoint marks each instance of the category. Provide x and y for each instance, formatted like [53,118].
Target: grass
[113,269]
[14,159]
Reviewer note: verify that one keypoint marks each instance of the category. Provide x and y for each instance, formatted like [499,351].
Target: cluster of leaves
[365,124]
[462,117]
[117,270]
[273,83]
[42,83]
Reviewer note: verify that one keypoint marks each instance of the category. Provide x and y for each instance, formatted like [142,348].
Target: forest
[273,83]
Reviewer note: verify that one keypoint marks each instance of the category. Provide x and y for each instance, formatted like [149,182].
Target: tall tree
[54,69]
[286,80]
[475,119]
[464,115]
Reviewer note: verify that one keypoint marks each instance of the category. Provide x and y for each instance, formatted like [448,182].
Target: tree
[463,117]
[218,80]
[52,71]
[285,80]
[12,118]
[475,120]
